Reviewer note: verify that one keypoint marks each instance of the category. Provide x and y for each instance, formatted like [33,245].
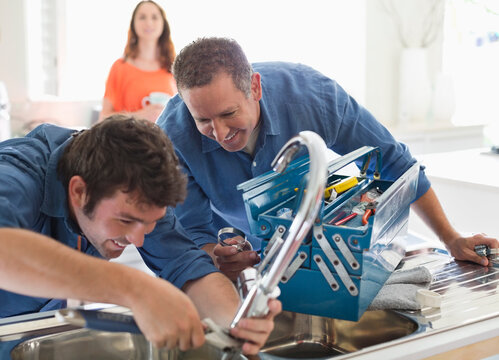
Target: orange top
[127,85]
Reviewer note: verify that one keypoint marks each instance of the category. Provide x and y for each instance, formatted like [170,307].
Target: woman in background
[141,82]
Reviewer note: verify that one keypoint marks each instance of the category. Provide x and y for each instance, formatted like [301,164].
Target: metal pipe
[255,304]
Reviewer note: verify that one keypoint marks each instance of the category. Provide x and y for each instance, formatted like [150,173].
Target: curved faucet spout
[255,304]
[310,203]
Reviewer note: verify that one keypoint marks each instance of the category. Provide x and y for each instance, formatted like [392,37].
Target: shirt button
[254,163]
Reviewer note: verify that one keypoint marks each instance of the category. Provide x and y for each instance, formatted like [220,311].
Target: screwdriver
[339,187]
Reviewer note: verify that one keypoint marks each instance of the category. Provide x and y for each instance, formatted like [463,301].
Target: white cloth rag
[399,291]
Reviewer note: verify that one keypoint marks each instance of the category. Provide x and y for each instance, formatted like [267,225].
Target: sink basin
[296,336]
[84,344]
[300,336]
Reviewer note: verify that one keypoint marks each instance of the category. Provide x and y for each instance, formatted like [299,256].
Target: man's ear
[77,192]
[256,86]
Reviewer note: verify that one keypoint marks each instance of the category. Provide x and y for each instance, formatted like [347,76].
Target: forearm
[430,210]
[35,265]
[209,249]
[215,297]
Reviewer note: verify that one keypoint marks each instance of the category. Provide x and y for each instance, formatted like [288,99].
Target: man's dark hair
[127,154]
[200,61]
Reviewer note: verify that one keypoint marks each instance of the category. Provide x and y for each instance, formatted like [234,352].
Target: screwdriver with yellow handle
[340,187]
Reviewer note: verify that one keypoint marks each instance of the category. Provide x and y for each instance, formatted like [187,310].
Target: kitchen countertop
[469,312]
[475,167]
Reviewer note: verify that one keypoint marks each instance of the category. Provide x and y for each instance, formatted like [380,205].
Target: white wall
[13,52]
[383,59]
[326,34]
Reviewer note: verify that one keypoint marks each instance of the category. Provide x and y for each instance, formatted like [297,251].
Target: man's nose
[220,130]
[136,236]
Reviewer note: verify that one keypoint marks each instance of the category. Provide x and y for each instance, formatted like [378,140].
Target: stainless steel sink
[296,336]
[88,344]
[299,336]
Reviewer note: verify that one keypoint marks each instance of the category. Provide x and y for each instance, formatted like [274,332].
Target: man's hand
[167,316]
[216,297]
[230,261]
[463,248]
[255,331]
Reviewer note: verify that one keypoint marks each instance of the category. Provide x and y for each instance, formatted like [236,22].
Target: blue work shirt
[33,198]
[295,98]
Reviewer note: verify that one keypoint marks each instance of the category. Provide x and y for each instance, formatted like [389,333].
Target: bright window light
[471,55]
[326,34]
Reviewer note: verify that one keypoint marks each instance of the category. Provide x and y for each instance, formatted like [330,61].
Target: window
[41,23]
[90,35]
[470,56]
[72,45]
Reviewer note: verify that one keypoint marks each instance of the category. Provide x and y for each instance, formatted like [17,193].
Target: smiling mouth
[230,137]
[119,244]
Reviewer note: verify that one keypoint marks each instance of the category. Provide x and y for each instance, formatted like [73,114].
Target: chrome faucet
[264,283]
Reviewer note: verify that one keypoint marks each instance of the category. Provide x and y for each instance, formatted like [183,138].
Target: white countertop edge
[456,182]
[433,343]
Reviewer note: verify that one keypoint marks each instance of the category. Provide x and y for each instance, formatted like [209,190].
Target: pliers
[370,210]
[367,209]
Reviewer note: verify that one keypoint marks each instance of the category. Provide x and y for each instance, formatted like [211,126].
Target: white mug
[156,97]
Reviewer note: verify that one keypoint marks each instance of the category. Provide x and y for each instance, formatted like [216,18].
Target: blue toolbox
[353,247]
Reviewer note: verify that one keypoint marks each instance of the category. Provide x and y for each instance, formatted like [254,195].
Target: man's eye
[125,221]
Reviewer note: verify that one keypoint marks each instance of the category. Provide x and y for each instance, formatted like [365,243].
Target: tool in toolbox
[369,210]
[343,220]
[337,270]
[369,198]
[366,207]
[339,186]
[485,250]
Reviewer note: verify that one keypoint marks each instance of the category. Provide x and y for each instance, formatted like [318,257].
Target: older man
[230,119]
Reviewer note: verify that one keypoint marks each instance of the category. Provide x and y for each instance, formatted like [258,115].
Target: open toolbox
[341,265]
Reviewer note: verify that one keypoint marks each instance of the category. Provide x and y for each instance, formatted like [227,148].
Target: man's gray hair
[199,62]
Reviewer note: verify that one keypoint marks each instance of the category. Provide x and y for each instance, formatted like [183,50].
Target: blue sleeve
[171,255]
[21,182]
[354,127]
[195,213]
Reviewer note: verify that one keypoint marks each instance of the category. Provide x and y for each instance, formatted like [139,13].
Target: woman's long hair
[165,44]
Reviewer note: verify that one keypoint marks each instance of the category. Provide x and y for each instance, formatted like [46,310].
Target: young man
[230,120]
[67,195]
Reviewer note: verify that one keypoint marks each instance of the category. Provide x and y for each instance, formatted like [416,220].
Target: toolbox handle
[346,159]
